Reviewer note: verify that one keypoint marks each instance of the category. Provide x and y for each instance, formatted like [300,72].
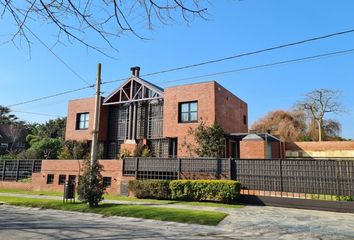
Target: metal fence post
[179,167]
[281,176]
[230,168]
[337,179]
[18,169]
[3,171]
[136,167]
[33,163]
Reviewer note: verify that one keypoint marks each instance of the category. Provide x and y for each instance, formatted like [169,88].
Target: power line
[245,54]
[314,57]
[209,62]
[206,75]
[35,113]
[50,96]
[60,59]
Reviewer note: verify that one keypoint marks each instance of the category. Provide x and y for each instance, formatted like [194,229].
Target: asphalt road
[250,222]
[26,223]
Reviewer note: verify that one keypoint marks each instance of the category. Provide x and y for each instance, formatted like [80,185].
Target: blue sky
[234,27]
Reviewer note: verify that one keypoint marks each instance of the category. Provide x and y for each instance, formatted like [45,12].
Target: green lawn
[124,198]
[31,192]
[155,201]
[138,211]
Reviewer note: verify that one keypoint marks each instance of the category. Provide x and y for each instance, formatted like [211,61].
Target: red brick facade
[215,104]
[253,149]
[78,106]
[111,168]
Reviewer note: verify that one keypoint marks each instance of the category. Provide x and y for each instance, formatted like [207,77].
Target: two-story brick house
[141,111]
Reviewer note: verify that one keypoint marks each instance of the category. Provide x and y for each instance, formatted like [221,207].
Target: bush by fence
[205,190]
[190,190]
[155,189]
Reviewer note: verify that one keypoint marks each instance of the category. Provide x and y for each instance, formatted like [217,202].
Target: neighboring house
[139,111]
[325,149]
[12,138]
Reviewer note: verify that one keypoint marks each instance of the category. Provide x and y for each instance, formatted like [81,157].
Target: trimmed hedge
[154,189]
[224,191]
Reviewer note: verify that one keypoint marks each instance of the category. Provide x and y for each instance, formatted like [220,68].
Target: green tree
[208,140]
[52,129]
[75,150]
[6,117]
[90,188]
[47,148]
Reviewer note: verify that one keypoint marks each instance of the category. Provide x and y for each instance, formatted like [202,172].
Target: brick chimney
[135,71]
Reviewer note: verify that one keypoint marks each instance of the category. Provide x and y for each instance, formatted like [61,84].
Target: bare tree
[108,19]
[318,103]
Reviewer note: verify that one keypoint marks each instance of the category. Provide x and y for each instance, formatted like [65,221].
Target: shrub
[90,188]
[205,190]
[155,189]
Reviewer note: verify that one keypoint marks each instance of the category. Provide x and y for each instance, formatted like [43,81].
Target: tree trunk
[319,131]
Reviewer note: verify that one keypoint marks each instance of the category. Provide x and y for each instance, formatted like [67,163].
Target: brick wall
[215,104]
[204,93]
[111,168]
[82,106]
[253,149]
[230,111]
[320,149]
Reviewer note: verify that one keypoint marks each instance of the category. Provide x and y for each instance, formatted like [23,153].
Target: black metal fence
[15,170]
[177,168]
[279,177]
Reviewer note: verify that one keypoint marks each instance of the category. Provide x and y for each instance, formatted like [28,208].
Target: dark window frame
[189,112]
[61,178]
[107,182]
[85,120]
[72,179]
[50,178]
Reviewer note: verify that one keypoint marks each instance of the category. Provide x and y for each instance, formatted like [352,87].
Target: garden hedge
[205,190]
[155,189]
[189,190]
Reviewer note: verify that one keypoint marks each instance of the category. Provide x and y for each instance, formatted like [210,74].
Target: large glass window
[82,120]
[188,112]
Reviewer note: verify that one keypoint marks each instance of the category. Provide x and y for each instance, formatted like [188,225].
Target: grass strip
[31,192]
[125,198]
[155,201]
[124,210]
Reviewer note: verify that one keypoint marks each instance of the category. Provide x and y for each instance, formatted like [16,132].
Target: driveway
[250,222]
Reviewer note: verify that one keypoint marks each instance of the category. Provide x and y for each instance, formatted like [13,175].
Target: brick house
[139,111]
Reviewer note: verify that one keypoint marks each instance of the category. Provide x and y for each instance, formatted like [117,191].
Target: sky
[233,27]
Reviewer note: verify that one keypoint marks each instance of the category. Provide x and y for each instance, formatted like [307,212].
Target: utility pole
[96,118]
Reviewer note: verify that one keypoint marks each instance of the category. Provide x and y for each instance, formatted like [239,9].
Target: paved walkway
[251,222]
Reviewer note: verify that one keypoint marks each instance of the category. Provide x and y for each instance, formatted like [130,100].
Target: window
[244,119]
[188,112]
[72,179]
[62,179]
[82,120]
[107,181]
[50,178]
